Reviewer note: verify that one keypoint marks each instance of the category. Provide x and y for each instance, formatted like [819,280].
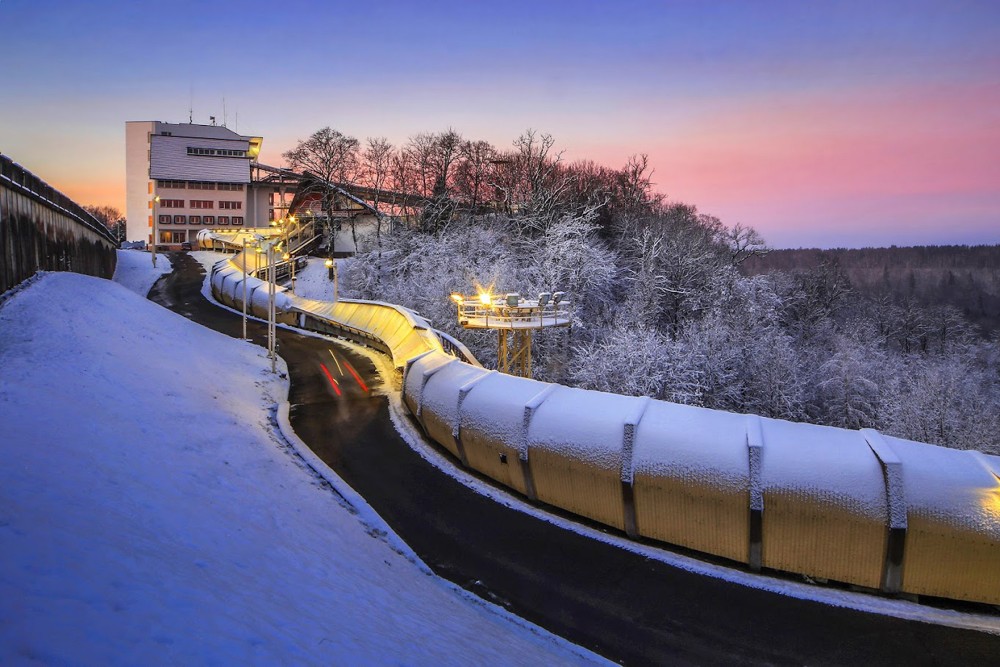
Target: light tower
[514,319]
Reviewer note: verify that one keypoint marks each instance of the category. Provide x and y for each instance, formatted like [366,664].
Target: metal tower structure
[514,320]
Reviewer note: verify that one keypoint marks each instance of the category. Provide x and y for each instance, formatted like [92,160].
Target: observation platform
[512,312]
[513,318]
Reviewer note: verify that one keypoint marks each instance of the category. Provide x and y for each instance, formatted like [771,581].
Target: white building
[201,174]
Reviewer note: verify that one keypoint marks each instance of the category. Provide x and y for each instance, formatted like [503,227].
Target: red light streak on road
[333,383]
[356,376]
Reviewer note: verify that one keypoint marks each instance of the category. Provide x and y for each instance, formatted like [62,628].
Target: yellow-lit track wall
[854,507]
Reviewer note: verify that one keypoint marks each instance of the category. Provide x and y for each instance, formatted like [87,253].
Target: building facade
[201,174]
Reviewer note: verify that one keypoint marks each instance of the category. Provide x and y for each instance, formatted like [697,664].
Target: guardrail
[854,507]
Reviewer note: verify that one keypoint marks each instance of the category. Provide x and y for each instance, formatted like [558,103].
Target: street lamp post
[288,245]
[156,200]
[269,268]
[271,314]
[287,257]
[331,267]
[245,247]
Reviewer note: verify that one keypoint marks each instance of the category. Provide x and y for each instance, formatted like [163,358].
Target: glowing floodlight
[457,298]
[485,298]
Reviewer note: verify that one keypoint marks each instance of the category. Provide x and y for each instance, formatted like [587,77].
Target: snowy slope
[135,270]
[148,515]
[313,281]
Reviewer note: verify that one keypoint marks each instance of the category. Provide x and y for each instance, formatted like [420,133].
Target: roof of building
[199,131]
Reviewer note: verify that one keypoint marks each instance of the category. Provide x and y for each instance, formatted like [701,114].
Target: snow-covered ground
[151,514]
[135,270]
[313,282]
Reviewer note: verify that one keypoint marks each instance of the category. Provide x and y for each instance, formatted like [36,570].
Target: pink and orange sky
[820,124]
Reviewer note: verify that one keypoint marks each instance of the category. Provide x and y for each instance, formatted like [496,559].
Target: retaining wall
[43,230]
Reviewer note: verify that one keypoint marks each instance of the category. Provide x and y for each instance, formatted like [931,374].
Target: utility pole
[245,289]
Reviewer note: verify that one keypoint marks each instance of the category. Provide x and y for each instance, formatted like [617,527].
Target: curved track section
[628,605]
[856,508]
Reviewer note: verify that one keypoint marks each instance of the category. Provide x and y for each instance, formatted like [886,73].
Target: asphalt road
[622,605]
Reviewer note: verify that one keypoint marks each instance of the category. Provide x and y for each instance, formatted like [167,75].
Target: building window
[237,219]
[169,236]
[201,185]
[223,219]
[164,219]
[208,220]
[194,220]
[179,219]
[231,205]
[232,187]
[202,203]
[216,152]
[177,185]
[171,203]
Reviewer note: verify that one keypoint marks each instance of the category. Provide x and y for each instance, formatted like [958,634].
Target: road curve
[620,604]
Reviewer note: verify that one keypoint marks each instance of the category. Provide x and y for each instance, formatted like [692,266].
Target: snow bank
[495,407]
[830,464]
[150,515]
[951,485]
[135,270]
[584,425]
[440,394]
[697,445]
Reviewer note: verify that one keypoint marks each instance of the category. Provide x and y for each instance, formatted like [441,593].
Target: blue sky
[829,123]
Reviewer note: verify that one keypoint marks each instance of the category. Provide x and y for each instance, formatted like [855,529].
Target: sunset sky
[818,123]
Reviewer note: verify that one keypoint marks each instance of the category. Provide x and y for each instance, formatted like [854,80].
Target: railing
[525,314]
[455,348]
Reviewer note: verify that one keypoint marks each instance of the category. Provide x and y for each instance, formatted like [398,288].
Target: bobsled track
[853,507]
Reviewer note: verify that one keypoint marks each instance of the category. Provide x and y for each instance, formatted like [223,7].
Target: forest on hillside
[662,304]
[964,277]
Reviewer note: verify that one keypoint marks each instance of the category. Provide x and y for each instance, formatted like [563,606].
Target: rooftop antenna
[211,119]
[224,119]
[191,106]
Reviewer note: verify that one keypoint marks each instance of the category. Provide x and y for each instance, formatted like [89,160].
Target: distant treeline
[965,277]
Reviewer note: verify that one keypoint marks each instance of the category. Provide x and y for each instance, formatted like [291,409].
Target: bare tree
[111,218]
[377,163]
[744,242]
[472,172]
[420,160]
[333,158]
